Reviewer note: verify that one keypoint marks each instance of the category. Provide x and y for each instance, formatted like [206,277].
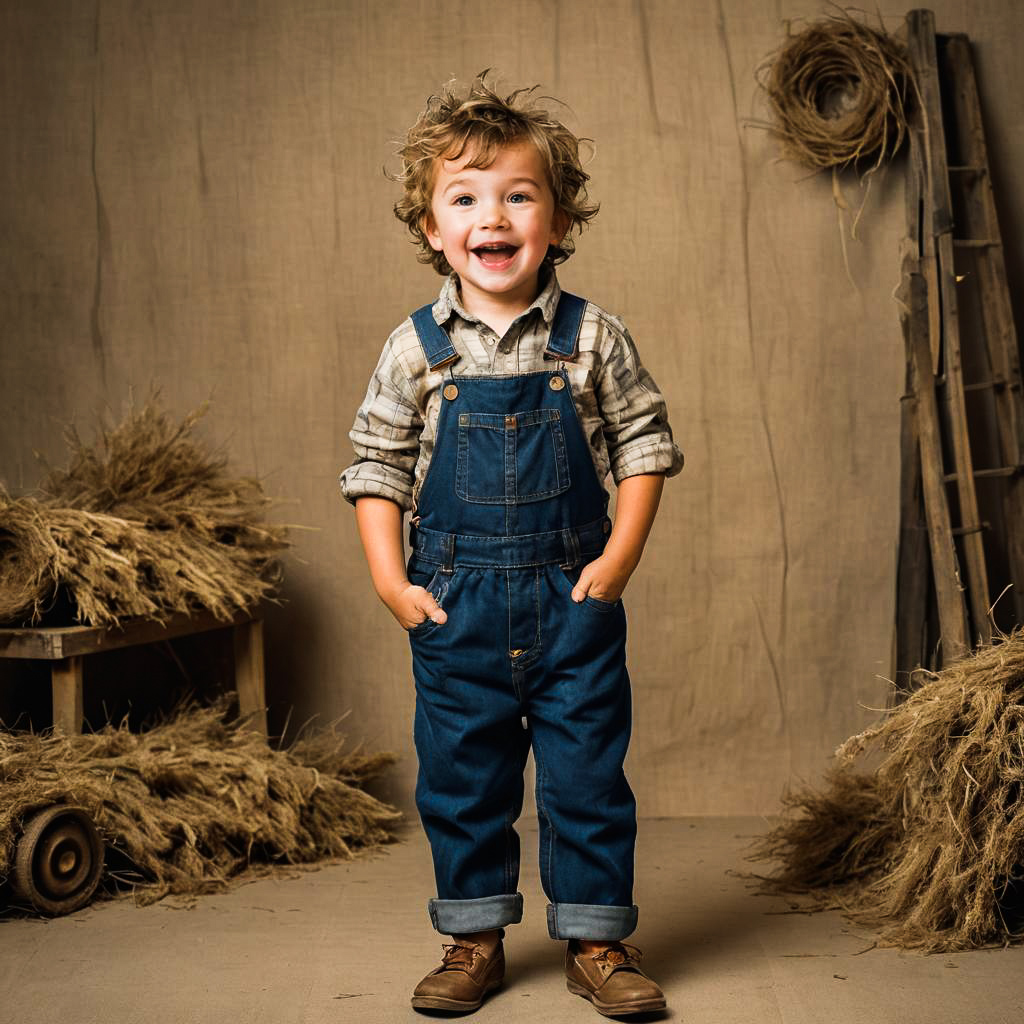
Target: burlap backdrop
[192,195]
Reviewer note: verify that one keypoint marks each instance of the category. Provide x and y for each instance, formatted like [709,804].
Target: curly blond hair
[482,122]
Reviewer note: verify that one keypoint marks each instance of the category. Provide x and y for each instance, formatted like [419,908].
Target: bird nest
[838,92]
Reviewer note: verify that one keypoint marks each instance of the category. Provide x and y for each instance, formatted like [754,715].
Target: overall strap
[562,342]
[437,346]
[565,331]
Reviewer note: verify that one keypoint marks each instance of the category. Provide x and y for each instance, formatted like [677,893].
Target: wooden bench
[65,647]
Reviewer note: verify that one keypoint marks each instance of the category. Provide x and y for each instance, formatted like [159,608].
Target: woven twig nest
[838,93]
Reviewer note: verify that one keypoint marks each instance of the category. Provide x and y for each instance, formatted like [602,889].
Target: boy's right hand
[412,605]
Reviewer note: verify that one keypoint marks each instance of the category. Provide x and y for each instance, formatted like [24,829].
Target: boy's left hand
[604,578]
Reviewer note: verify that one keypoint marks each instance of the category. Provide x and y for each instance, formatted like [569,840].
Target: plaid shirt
[623,413]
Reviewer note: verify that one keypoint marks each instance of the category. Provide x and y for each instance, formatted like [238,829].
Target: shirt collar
[449,301]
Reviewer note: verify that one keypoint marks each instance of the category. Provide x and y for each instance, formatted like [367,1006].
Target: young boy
[494,415]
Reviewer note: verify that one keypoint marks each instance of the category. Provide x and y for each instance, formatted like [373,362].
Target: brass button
[451,392]
[510,421]
[516,652]
[464,420]
[556,383]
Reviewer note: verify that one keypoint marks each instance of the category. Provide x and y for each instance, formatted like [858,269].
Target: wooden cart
[65,648]
[59,857]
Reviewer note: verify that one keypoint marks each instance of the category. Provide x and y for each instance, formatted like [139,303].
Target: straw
[928,847]
[197,801]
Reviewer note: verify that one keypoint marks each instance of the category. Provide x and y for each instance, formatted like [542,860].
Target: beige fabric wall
[192,196]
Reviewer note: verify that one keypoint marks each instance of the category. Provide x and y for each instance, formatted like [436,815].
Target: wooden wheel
[59,860]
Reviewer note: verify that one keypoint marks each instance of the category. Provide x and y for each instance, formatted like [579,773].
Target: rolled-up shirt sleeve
[385,436]
[636,429]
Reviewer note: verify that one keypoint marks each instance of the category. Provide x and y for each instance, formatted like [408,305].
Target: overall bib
[509,513]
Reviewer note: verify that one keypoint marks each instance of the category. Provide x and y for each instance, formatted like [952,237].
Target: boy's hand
[380,529]
[412,605]
[604,578]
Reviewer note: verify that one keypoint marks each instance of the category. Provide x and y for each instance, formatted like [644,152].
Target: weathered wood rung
[976,243]
[996,383]
[968,169]
[963,531]
[995,471]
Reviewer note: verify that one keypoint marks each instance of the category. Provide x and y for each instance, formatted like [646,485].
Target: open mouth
[495,254]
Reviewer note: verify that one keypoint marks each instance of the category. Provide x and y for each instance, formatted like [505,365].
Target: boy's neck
[498,311]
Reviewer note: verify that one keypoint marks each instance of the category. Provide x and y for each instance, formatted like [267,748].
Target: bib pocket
[511,459]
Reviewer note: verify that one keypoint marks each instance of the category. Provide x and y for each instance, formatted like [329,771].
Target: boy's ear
[559,226]
[430,230]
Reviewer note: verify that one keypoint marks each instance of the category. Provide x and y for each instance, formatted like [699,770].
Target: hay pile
[929,847]
[195,802]
[143,522]
[838,93]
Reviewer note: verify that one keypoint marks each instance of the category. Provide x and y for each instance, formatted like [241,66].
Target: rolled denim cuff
[457,917]
[584,921]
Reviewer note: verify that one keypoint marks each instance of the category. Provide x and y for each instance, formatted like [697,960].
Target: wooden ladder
[962,443]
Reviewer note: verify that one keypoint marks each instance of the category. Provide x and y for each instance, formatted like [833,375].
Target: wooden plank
[914,562]
[250,675]
[66,688]
[38,644]
[963,461]
[938,225]
[945,573]
[49,644]
[921,28]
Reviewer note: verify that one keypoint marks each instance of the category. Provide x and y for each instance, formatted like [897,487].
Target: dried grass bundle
[929,847]
[838,93]
[28,559]
[195,802]
[146,521]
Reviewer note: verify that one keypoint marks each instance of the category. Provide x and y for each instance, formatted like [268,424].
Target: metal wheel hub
[59,860]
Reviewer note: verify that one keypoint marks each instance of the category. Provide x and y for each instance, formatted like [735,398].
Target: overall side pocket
[572,576]
[436,583]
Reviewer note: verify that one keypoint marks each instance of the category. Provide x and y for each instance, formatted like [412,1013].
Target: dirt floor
[347,944]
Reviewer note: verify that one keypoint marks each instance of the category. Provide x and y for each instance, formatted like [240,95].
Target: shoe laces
[459,956]
[619,954]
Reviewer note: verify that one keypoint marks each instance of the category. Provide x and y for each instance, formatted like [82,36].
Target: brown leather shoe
[612,980]
[462,981]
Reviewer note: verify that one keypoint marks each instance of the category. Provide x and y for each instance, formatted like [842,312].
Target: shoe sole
[617,1009]
[453,1005]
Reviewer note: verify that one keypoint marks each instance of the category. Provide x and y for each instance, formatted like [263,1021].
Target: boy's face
[494,225]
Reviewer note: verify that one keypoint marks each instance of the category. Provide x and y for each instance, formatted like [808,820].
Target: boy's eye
[463,201]
[519,197]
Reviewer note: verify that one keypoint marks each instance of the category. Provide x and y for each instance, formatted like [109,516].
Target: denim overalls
[510,511]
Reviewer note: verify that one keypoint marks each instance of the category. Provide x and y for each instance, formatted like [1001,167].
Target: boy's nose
[492,215]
